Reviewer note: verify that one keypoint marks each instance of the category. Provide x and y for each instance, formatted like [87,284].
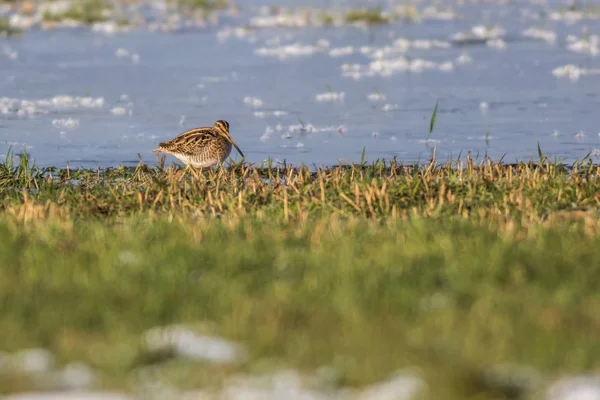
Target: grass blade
[432,121]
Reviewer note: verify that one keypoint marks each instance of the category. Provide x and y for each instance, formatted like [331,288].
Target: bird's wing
[189,142]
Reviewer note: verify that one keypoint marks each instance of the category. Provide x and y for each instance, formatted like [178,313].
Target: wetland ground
[348,277]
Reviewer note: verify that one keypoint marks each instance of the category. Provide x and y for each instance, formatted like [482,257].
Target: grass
[432,121]
[203,4]
[6,29]
[325,19]
[367,16]
[453,268]
[85,11]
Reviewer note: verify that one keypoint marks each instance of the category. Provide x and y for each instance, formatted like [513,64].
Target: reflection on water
[504,80]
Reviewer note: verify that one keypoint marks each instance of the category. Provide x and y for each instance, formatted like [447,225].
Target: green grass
[369,17]
[85,11]
[203,4]
[6,29]
[368,268]
[326,19]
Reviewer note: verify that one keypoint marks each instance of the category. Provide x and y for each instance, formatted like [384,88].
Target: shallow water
[501,103]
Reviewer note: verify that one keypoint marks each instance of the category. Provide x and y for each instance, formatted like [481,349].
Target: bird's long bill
[235,145]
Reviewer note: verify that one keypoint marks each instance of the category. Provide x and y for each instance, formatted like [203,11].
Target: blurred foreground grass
[453,269]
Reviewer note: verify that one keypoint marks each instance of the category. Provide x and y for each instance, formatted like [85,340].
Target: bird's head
[222,128]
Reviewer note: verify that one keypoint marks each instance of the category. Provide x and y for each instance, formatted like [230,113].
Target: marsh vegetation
[454,268]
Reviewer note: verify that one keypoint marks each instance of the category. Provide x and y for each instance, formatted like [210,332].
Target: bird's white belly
[205,159]
[187,160]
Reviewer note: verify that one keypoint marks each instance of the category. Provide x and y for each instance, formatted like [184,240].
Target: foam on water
[285,57]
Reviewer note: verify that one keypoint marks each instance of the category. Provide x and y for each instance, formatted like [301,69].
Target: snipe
[201,147]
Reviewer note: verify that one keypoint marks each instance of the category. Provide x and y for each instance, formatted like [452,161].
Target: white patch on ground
[282,385]
[21,22]
[253,101]
[479,33]
[400,46]
[28,108]
[438,13]
[391,66]
[68,396]
[486,32]
[31,361]
[573,16]
[586,45]
[120,111]
[281,20]
[300,17]
[446,67]
[293,50]
[238,32]
[214,79]
[68,123]
[430,141]
[309,128]
[573,72]
[74,376]
[109,27]
[464,58]
[121,52]
[330,96]
[540,34]
[400,387]
[128,257]
[77,102]
[496,44]
[341,51]
[267,135]
[421,44]
[575,388]
[276,113]
[188,344]
[376,97]
[10,53]
[196,395]
[4,357]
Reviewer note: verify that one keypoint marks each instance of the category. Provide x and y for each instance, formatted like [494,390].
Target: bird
[201,147]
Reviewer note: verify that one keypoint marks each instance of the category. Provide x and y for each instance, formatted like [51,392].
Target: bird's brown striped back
[188,142]
[201,146]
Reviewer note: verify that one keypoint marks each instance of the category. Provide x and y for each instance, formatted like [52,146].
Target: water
[194,77]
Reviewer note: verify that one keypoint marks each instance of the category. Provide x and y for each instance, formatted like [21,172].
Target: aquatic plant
[6,29]
[203,4]
[450,267]
[432,121]
[85,11]
[367,16]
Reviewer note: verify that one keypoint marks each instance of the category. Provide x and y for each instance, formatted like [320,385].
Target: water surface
[501,103]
